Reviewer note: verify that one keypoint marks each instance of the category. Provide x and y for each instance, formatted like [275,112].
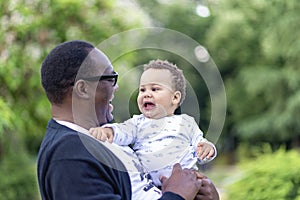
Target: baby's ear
[176,97]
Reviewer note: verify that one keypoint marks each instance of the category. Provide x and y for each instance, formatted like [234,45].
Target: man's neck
[62,112]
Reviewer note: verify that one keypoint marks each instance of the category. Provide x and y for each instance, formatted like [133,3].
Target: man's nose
[116,87]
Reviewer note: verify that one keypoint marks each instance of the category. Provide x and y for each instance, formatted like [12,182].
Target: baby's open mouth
[148,105]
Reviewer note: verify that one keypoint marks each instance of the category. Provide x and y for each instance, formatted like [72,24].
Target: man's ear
[176,97]
[81,89]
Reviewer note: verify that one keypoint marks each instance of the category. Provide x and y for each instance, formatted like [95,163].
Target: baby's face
[157,98]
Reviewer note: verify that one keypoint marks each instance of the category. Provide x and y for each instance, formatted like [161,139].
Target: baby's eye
[142,89]
[155,89]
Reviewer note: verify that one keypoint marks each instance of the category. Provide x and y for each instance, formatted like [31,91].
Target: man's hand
[183,182]
[102,134]
[207,191]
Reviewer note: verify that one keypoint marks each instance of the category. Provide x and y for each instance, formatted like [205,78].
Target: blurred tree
[256,45]
[6,124]
[268,177]
[17,172]
[29,29]
[180,16]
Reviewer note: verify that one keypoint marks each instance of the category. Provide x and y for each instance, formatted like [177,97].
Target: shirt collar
[73,126]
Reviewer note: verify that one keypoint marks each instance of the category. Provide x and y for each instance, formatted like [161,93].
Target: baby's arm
[102,133]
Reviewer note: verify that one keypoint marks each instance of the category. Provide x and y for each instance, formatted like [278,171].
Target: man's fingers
[176,167]
[198,183]
[199,175]
[162,179]
[206,181]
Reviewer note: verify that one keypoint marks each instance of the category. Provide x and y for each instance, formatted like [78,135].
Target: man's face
[93,91]
[103,97]
[100,88]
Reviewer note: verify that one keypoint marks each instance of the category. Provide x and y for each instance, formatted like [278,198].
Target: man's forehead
[95,64]
[99,57]
[100,61]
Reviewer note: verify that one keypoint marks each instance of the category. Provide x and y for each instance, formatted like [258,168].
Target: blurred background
[255,46]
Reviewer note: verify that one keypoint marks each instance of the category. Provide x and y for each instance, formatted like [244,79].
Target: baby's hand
[205,150]
[102,134]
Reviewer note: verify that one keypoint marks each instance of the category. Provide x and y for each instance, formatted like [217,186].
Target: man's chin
[105,118]
[108,119]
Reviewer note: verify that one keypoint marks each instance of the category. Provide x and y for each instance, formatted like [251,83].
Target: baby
[160,138]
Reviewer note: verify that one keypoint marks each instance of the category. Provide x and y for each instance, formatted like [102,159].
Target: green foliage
[29,29]
[270,176]
[17,171]
[6,118]
[18,178]
[245,151]
[179,16]
[256,45]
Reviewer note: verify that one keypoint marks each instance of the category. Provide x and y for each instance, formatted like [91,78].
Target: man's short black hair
[60,67]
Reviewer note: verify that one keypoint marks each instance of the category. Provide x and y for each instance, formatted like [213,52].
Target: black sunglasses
[113,77]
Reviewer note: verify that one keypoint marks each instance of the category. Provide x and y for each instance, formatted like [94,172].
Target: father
[79,82]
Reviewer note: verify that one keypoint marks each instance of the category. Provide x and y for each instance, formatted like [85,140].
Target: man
[79,82]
